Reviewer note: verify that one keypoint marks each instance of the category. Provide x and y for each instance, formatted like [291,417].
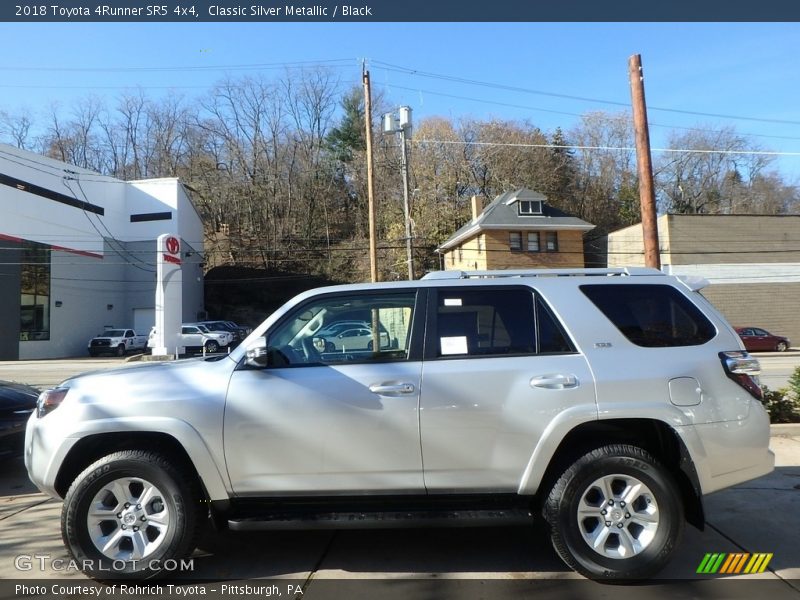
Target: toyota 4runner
[606,401]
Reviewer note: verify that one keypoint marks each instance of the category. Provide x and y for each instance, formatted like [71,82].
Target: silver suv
[606,401]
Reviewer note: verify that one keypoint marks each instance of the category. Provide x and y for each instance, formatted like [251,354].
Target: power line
[513,88]
[606,148]
[574,114]
[184,68]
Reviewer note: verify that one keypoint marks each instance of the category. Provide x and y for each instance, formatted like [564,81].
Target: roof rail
[613,271]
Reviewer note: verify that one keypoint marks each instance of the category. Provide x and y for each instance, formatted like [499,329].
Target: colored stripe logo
[736,563]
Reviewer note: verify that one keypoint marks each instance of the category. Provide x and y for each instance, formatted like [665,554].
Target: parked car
[195,337]
[756,339]
[223,326]
[198,336]
[358,338]
[116,341]
[606,402]
[17,403]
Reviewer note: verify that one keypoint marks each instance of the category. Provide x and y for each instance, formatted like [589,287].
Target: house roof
[502,213]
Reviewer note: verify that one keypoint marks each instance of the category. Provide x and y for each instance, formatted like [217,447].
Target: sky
[743,75]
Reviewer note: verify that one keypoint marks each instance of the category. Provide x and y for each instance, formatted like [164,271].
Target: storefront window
[35,292]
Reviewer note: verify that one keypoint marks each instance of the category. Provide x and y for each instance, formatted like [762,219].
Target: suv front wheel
[130,515]
[615,514]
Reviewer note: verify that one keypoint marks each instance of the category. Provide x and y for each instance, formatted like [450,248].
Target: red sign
[173,245]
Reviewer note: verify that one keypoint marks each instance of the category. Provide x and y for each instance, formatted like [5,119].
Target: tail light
[744,370]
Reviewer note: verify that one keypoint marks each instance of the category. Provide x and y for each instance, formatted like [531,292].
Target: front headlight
[49,400]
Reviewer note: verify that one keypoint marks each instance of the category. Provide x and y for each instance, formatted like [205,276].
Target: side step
[382,520]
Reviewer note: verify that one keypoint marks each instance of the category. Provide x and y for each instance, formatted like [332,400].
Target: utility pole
[402,124]
[373,251]
[406,205]
[647,198]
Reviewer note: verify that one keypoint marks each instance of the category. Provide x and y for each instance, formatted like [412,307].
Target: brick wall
[771,306]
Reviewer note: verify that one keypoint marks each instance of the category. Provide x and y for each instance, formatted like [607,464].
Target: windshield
[113,333]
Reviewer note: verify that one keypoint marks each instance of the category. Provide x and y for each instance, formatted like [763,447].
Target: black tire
[212,346]
[576,483]
[120,350]
[180,499]
[370,346]
[92,353]
[782,347]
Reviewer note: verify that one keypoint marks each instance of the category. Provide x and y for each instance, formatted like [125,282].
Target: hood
[14,396]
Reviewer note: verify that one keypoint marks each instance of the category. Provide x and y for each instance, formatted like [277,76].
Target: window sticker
[452,301]
[454,345]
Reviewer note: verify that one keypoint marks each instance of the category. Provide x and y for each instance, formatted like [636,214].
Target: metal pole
[647,197]
[373,251]
[406,211]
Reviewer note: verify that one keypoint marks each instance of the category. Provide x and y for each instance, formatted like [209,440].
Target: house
[78,253]
[752,263]
[516,230]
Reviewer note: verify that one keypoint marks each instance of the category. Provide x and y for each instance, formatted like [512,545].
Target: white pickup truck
[117,341]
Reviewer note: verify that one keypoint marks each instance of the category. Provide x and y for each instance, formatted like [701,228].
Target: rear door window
[652,316]
[494,321]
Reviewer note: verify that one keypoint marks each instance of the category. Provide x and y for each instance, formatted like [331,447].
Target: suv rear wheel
[615,514]
[127,514]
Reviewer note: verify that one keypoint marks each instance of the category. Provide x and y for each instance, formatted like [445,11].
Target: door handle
[391,388]
[555,381]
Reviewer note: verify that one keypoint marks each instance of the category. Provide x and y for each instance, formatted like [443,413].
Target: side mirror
[319,344]
[256,354]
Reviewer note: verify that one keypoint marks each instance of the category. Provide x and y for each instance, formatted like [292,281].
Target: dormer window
[530,207]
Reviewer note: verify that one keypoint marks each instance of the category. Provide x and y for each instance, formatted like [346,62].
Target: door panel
[498,369]
[481,418]
[320,429]
[322,419]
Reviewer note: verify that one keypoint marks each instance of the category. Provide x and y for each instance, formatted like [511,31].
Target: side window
[652,316]
[485,322]
[552,338]
[344,329]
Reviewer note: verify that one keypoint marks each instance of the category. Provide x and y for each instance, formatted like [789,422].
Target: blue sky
[745,69]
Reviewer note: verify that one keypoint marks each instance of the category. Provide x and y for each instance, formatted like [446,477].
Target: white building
[78,253]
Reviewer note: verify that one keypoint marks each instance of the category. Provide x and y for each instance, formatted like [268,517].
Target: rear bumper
[730,452]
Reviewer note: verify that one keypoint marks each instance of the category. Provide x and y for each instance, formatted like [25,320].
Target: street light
[401,123]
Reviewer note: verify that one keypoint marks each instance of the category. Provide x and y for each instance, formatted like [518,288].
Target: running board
[382,520]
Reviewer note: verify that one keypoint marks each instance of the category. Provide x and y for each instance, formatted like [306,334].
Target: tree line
[277,169]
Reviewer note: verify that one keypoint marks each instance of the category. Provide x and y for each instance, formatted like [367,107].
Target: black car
[17,402]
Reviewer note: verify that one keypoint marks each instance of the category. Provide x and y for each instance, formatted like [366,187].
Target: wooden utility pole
[373,250]
[647,197]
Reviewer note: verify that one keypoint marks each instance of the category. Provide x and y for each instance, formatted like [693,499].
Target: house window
[515,241]
[533,241]
[530,207]
[551,241]
[35,292]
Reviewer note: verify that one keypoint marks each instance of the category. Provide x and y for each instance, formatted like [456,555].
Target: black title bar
[224,11]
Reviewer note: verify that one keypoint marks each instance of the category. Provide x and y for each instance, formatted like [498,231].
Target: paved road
[759,516]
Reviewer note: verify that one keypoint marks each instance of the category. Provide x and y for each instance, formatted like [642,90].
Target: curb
[784,430]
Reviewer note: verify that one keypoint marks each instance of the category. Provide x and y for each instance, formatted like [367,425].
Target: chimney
[477,207]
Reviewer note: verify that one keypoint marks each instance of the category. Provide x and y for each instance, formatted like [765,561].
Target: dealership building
[78,253]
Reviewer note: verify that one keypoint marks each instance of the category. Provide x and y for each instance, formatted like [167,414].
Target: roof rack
[614,271]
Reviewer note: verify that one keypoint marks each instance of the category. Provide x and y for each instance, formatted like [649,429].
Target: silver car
[607,402]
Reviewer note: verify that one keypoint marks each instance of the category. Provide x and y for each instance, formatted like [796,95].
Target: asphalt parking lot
[758,516]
